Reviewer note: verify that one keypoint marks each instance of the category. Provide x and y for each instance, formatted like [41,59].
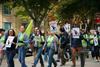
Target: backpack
[64,40]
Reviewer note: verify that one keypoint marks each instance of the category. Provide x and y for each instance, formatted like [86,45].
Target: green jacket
[22,39]
[84,40]
[39,40]
[49,40]
[2,39]
[91,39]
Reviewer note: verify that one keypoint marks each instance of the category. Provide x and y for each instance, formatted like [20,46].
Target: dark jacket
[64,40]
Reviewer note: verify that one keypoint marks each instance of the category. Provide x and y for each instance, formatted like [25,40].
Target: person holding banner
[10,44]
[22,42]
[2,39]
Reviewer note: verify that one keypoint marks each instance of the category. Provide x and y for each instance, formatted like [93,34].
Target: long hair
[13,32]
[7,34]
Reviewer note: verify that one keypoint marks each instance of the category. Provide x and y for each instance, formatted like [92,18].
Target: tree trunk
[37,23]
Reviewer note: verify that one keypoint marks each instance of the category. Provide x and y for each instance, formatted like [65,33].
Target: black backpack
[64,40]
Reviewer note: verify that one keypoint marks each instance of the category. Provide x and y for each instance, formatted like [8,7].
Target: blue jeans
[21,55]
[51,59]
[39,56]
[10,56]
[46,53]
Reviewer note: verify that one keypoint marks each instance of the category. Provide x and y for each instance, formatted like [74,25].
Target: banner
[29,28]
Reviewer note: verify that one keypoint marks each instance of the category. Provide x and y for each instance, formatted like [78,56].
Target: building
[7,18]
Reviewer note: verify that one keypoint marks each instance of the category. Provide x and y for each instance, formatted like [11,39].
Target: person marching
[76,46]
[39,41]
[32,45]
[64,40]
[2,39]
[22,42]
[51,44]
[10,44]
[98,34]
[46,48]
[85,45]
[96,46]
[91,42]
[85,40]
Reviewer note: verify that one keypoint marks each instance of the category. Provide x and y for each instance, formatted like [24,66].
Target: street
[29,60]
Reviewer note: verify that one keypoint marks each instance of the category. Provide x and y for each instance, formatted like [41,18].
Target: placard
[9,41]
[67,28]
[75,32]
[96,41]
[99,29]
[53,26]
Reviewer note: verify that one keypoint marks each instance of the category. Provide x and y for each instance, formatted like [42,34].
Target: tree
[35,9]
[83,8]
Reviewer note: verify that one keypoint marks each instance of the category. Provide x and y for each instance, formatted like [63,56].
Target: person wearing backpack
[91,42]
[52,44]
[39,41]
[22,42]
[64,41]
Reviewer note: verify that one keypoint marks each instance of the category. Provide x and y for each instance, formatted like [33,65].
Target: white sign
[96,41]
[67,27]
[98,29]
[75,32]
[53,26]
[9,41]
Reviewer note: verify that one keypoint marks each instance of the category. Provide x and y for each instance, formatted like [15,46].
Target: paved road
[29,61]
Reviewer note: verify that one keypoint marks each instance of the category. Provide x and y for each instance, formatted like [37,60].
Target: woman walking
[10,44]
[39,41]
[22,42]
[52,43]
[96,46]
[76,46]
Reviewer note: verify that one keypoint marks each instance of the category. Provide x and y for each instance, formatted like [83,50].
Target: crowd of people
[68,45]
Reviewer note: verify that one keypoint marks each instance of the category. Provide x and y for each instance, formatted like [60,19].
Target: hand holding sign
[9,41]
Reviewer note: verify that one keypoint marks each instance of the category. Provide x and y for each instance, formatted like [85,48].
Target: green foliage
[36,9]
[80,7]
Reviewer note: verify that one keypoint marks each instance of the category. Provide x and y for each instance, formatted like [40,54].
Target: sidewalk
[29,61]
